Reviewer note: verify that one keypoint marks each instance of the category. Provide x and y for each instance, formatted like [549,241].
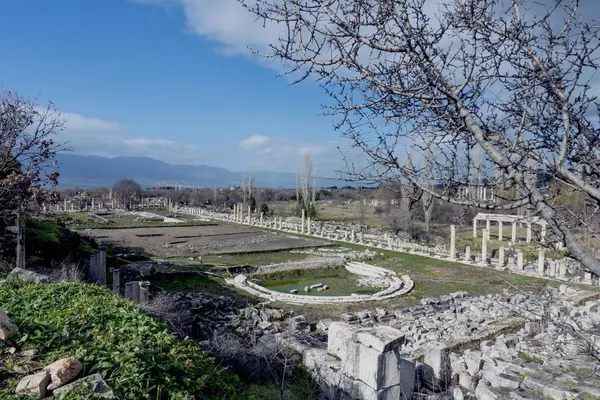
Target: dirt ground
[167,242]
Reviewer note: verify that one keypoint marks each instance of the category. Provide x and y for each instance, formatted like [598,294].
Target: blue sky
[168,79]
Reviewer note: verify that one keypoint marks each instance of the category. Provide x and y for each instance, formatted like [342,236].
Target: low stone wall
[397,287]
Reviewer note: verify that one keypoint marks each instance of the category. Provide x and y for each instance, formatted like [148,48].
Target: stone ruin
[510,346]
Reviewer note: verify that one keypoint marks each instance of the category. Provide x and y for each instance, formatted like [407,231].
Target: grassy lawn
[342,282]
[78,221]
[256,259]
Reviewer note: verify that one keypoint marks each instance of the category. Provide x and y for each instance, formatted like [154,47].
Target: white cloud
[80,123]
[253,142]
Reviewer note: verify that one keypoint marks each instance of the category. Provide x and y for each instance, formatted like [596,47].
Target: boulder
[63,371]
[99,387]
[29,276]
[34,385]
[7,327]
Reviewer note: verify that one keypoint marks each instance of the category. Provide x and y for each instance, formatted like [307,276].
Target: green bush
[135,354]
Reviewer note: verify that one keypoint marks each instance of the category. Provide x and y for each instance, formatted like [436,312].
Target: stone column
[501,257]
[249,215]
[303,218]
[487,226]
[562,269]
[587,277]
[484,238]
[262,214]
[500,230]
[129,290]
[353,236]
[474,227]
[513,237]
[468,253]
[308,226]
[528,232]
[452,242]
[144,288]
[520,261]
[135,291]
[389,242]
[92,204]
[543,233]
[116,280]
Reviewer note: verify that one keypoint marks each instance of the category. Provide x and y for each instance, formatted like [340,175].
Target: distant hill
[84,171]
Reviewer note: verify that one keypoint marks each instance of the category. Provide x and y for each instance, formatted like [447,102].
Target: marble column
[129,290]
[520,261]
[541,262]
[528,233]
[484,238]
[562,269]
[308,226]
[501,257]
[467,253]
[144,288]
[543,233]
[116,280]
[474,227]
[303,219]
[452,242]
[513,237]
[353,236]
[487,225]
[500,223]
[249,215]
[261,218]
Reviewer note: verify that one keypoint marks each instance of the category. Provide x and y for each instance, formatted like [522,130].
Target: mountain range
[84,171]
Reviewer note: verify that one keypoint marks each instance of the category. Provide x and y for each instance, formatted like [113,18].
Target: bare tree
[128,192]
[513,77]
[27,150]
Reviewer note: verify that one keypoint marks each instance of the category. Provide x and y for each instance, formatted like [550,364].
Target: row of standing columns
[513,231]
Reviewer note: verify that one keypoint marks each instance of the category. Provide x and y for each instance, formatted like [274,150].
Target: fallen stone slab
[7,327]
[99,387]
[29,276]
[34,385]
[63,371]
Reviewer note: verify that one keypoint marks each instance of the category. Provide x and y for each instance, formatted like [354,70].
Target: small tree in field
[127,192]
[27,149]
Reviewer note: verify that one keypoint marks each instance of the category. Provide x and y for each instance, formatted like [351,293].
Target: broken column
[436,368]
[587,277]
[520,261]
[116,280]
[97,270]
[562,269]
[468,253]
[262,214]
[135,291]
[303,218]
[484,239]
[500,230]
[452,242]
[487,226]
[144,288]
[474,227]
[249,215]
[129,290]
[353,236]
[308,226]
[501,257]
[541,261]
[528,232]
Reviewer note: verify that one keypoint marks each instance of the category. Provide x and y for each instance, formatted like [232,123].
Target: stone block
[34,385]
[7,327]
[99,387]
[63,371]
[437,356]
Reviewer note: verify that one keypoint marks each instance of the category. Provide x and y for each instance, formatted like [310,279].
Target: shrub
[136,355]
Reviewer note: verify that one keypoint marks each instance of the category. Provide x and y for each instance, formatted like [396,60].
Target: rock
[485,392]
[324,324]
[474,361]
[437,356]
[265,325]
[25,367]
[63,371]
[29,276]
[457,394]
[7,327]
[99,387]
[34,385]
[299,323]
